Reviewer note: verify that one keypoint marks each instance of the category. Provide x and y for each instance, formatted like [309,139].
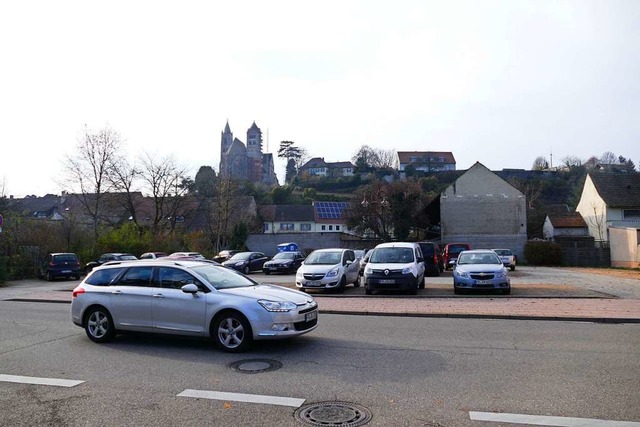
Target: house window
[286,226]
[266,227]
[337,228]
[331,228]
[324,227]
[305,227]
[631,213]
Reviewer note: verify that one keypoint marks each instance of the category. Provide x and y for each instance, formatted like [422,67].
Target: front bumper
[469,283]
[279,268]
[283,325]
[397,281]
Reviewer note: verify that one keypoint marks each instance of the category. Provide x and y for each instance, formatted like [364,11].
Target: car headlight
[277,306]
[241,263]
[461,273]
[332,273]
[406,270]
[501,274]
[368,270]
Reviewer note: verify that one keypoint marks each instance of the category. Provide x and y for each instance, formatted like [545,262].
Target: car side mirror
[348,262]
[420,259]
[190,288]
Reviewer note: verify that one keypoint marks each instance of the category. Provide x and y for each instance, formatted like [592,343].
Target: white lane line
[40,381]
[542,420]
[241,397]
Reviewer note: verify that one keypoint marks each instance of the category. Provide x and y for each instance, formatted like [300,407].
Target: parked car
[480,269]
[328,269]
[110,256]
[450,253]
[247,262]
[188,254]
[363,263]
[507,257]
[224,255]
[153,255]
[397,266]
[283,262]
[59,264]
[193,298]
[432,259]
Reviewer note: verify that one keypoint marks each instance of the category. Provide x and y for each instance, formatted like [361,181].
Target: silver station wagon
[186,297]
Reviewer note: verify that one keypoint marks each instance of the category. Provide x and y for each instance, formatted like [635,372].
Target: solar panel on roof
[330,210]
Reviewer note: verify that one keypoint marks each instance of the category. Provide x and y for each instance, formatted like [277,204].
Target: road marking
[542,420]
[40,381]
[241,397]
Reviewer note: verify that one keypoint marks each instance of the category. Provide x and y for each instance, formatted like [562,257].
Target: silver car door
[131,299]
[175,311]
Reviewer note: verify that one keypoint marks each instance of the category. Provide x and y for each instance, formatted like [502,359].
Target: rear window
[427,250]
[103,277]
[456,249]
[503,252]
[65,258]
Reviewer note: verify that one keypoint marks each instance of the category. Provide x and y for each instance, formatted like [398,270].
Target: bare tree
[532,189]
[571,162]
[608,158]
[87,171]
[539,164]
[386,158]
[124,177]
[223,211]
[163,179]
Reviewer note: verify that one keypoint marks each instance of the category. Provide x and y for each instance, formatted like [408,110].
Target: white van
[328,269]
[397,266]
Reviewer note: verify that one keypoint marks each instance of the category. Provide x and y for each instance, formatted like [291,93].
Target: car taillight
[52,264]
[435,258]
[77,291]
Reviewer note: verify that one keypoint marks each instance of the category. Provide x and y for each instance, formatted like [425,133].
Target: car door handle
[158,296]
[116,293]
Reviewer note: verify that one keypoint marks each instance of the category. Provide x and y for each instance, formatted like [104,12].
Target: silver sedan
[188,298]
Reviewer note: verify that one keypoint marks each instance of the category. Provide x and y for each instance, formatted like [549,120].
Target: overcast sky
[499,82]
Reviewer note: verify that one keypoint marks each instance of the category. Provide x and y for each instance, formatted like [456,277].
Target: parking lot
[526,282]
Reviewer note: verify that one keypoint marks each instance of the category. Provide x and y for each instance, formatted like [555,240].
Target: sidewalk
[584,308]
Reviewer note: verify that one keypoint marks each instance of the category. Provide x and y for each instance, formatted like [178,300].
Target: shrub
[540,252]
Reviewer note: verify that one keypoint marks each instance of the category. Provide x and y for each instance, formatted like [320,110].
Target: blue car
[480,269]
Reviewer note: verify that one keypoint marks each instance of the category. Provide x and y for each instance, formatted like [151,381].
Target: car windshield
[479,258]
[222,277]
[324,258]
[242,256]
[284,255]
[127,257]
[392,255]
[502,252]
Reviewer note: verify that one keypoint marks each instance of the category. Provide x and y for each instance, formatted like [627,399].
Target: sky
[495,82]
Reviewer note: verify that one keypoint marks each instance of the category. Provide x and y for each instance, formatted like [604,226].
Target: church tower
[226,140]
[254,142]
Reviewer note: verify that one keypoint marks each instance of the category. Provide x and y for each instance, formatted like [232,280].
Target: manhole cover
[330,414]
[253,366]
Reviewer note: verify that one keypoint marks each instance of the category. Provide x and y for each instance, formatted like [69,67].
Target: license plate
[311,316]
[387,281]
[312,283]
[66,271]
[484,282]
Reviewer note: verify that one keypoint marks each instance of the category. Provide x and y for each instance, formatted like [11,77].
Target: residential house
[567,225]
[320,217]
[318,167]
[426,161]
[610,200]
[484,210]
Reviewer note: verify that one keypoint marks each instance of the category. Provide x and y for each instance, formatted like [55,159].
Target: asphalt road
[405,371]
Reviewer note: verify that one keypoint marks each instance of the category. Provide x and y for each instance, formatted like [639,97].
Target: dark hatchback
[110,256]
[59,264]
[433,263]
